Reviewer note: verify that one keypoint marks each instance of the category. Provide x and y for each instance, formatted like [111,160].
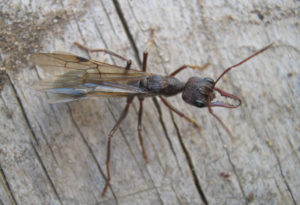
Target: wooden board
[55,154]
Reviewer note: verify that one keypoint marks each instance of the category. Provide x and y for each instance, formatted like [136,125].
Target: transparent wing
[58,64]
[77,78]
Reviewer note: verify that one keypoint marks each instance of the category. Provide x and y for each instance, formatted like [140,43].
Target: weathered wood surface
[55,154]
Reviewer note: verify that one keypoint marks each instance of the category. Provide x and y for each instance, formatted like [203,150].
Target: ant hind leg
[139,128]
[128,61]
[110,135]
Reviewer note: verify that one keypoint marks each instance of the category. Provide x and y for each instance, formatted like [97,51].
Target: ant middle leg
[128,61]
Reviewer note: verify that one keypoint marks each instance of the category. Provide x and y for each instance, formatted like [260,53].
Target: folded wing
[76,78]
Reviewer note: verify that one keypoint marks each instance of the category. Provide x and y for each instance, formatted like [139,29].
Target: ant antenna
[223,93]
[240,63]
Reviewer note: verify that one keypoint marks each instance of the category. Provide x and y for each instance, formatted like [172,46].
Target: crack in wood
[127,31]
[7,186]
[33,135]
[237,176]
[52,185]
[283,177]
[190,164]
[46,140]
[90,150]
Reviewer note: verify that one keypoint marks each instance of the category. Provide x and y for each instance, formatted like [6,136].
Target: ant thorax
[162,85]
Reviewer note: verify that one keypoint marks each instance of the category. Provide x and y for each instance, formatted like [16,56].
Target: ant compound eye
[199,103]
[210,80]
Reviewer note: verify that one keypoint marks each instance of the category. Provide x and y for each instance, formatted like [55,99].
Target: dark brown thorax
[162,85]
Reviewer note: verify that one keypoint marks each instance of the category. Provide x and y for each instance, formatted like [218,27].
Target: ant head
[200,92]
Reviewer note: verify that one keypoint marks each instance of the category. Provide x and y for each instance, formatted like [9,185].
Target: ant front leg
[128,61]
[189,66]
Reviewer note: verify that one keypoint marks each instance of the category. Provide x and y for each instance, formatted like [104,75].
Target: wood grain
[55,154]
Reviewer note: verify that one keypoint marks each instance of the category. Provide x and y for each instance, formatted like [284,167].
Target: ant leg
[139,128]
[110,135]
[145,54]
[141,99]
[104,51]
[189,66]
[145,57]
[180,113]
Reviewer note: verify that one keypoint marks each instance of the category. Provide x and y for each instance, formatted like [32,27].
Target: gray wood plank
[55,154]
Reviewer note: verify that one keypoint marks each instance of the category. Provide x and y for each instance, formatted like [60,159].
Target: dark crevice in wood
[46,172]
[23,111]
[7,186]
[237,176]
[160,117]
[190,163]
[46,140]
[127,31]
[91,152]
[232,164]
[283,177]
